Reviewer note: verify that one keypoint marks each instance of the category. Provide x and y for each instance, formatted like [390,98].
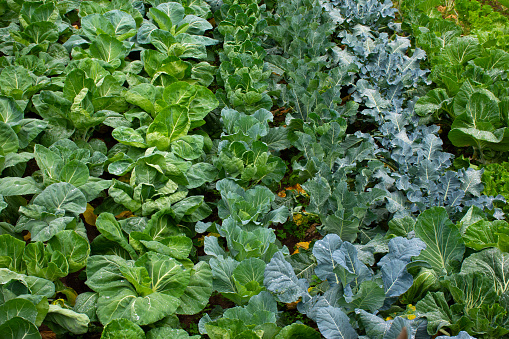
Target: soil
[73,281]
[189,322]
[291,240]
[279,114]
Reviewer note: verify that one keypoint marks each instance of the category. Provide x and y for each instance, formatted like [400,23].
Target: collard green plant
[132,133]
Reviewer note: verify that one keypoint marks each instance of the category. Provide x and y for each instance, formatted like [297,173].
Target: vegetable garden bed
[254,169]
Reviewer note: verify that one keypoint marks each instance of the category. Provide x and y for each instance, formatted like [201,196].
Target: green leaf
[40,32]
[161,18]
[34,12]
[297,331]
[484,234]
[173,10]
[162,40]
[73,246]
[10,112]
[18,308]
[203,103]
[62,197]
[248,278]
[93,188]
[496,59]
[334,323]
[200,173]
[177,246]
[30,128]
[9,142]
[103,273]
[196,26]
[20,328]
[188,147]
[86,304]
[122,328]
[128,136]
[41,263]
[168,126]
[435,309]
[370,296]
[480,125]
[108,49]
[63,320]
[444,244]
[94,24]
[75,172]
[125,303]
[11,253]
[49,162]
[179,93]
[432,102]
[471,289]
[460,50]
[75,82]
[493,264]
[138,277]
[15,80]
[11,186]
[142,95]
[166,273]
[110,228]
[124,25]
[198,291]
[167,332]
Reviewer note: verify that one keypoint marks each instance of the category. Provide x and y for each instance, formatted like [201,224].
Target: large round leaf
[169,125]
[86,303]
[9,142]
[75,172]
[125,303]
[197,293]
[122,328]
[167,274]
[492,263]
[19,328]
[444,244]
[73,246]
[298,331]
[18,308]
[62,196]
[10,112]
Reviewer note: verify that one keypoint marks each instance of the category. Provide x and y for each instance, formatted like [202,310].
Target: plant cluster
[146,147]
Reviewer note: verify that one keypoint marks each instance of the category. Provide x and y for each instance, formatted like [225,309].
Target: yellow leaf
[125,178]
[217,235]
[125,215]
[89,215]
[281,194]
[70,294]
[303,244]
[299,189]
[298,219]
[292,306]
[201,241]
[27,237]
[60,302]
